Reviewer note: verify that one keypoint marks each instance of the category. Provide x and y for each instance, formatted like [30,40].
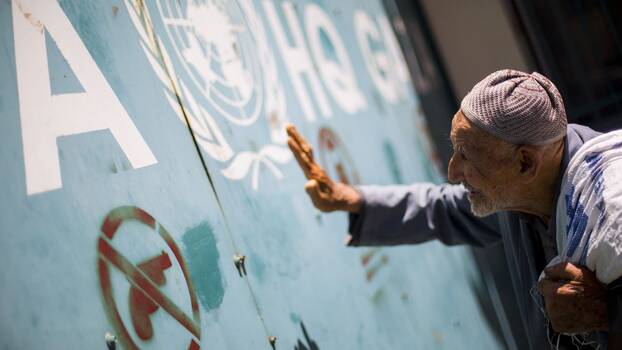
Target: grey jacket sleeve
[417,213]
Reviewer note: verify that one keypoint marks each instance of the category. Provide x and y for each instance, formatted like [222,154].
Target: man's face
[484,165]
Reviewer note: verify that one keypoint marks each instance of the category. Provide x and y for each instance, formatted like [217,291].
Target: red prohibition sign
[145,295]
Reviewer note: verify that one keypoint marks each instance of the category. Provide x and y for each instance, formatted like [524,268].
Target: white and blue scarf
[589,208]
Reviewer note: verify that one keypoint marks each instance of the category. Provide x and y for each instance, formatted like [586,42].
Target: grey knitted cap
[517,107]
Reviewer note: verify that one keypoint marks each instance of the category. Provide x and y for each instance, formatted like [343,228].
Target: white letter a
[45,117]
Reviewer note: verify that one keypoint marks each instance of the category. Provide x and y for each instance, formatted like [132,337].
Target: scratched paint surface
[116,218]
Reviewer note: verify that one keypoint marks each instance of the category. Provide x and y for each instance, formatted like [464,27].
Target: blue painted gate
[143,152]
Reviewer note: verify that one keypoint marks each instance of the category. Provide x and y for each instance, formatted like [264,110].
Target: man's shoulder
[581,132]
[576,136]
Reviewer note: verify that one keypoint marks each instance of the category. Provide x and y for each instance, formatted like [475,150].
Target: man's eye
[462,156]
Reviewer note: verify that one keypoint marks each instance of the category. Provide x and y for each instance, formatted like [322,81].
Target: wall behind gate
[143,151]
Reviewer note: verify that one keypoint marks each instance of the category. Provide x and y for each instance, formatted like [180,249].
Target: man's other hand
[325,194]
[574,299]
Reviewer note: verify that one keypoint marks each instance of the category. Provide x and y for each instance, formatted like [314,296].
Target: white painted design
[216,60]
[224,72]
[208,134]
[244,161]
[338,76]
[205,129]
[386,68]
[297,59]
[214,56]
[45,117]
[393,49]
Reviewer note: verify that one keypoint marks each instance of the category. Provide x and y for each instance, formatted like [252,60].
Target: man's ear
[530,161]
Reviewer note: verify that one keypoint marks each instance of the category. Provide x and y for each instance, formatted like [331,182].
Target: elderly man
[511,146]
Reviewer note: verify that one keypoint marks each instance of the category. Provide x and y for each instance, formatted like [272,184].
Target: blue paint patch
[202,257]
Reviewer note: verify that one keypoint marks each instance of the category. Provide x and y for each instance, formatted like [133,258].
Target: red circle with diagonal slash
[109,256]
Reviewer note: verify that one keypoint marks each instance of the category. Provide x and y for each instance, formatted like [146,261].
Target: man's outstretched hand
[325,194]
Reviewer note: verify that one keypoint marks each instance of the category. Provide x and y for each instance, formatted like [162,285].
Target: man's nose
[454,170]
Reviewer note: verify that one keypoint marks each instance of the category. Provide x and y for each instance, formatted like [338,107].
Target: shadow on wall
[309,343]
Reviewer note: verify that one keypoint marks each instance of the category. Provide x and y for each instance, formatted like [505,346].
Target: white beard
[483,205]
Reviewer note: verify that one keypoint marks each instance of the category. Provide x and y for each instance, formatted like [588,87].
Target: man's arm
[393,215]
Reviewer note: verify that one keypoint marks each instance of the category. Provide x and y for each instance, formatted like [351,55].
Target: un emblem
[214,59]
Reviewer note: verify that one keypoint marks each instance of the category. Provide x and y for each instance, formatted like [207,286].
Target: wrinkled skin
[574,299]
[484,165]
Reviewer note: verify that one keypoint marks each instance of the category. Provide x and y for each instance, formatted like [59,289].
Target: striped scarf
[589,208]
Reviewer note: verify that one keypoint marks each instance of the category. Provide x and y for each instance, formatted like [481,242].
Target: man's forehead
[464,132]
[461,127]
[479,142]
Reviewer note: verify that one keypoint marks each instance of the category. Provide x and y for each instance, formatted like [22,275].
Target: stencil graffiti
[146,279]
[141,306]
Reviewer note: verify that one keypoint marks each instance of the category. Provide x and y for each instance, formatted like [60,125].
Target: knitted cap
[517,107]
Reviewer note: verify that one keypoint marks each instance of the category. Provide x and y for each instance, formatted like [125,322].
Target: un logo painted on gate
[213,56]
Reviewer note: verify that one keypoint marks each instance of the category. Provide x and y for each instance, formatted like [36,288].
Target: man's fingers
[301,158]
[290,128]
[304,156]
[292,132]
[315,190]
[301,149]
[563,271]
[311,186]
[553,290]
[303,145]
[548,287]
